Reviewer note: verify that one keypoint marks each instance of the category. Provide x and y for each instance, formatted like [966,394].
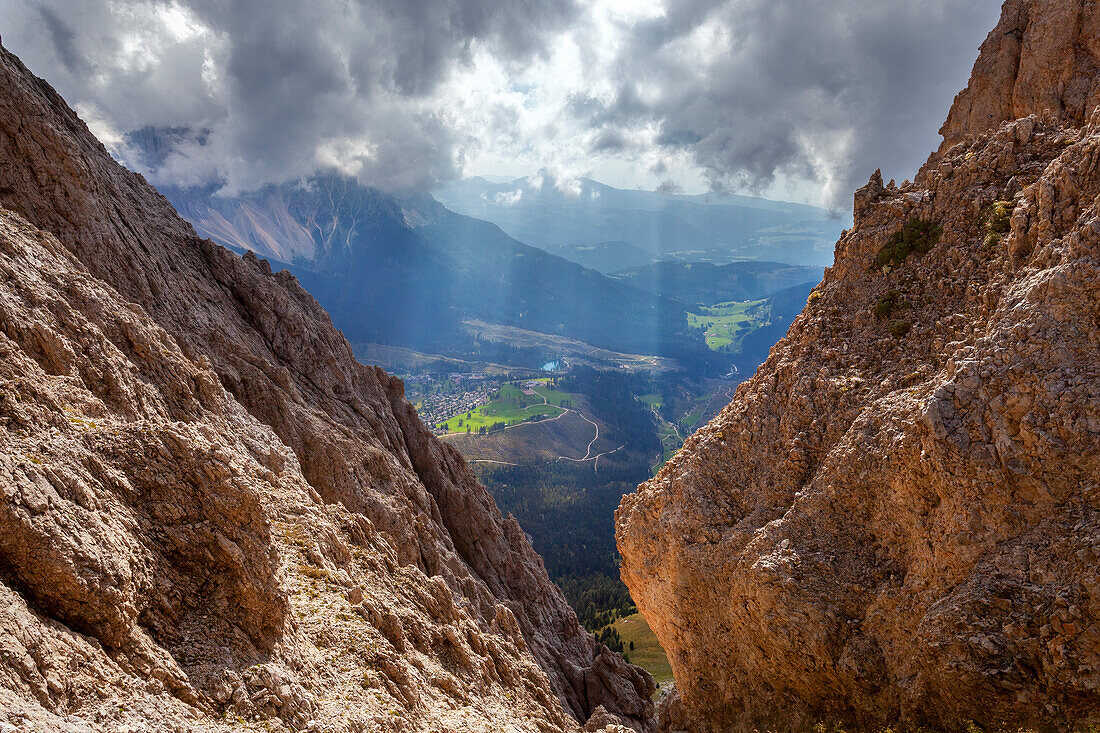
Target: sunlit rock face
[1042,57]
[898,517]
[211,514]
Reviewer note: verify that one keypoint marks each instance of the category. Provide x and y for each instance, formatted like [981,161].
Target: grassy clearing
[671,443]
[725,324]
[647,652]
[691,420]
[511,407]
[553,396]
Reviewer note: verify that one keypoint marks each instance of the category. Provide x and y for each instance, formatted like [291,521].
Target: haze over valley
[492,336]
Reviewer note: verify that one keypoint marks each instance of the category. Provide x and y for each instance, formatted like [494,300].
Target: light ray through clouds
[794,99]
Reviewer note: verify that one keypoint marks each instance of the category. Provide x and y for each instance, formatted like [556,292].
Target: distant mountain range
[409,271]
[704,283]
[612,229]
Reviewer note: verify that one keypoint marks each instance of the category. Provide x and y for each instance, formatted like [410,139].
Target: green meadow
[647,652]
[725,324]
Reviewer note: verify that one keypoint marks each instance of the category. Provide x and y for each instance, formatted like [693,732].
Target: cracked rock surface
[898,517]
[212,517]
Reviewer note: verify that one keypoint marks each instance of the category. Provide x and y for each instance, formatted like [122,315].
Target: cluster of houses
[435,408]
[441,398]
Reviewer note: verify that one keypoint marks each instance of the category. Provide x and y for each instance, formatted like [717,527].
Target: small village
[438,399]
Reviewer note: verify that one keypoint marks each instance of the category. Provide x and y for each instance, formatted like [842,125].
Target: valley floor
[641,646]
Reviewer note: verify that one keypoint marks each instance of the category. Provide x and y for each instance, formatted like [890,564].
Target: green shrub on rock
[917,235]
[997,220]
[885,306]
[899,328]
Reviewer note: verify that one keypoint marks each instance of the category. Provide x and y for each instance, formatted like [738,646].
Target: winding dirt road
[564,410]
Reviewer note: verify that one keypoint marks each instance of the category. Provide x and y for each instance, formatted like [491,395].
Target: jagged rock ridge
[898,517]
[212,513]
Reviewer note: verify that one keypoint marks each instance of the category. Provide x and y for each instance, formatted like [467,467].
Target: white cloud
[510,198]
[790,98]
[102,128]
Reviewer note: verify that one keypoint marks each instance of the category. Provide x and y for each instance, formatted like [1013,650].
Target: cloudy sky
[795,99]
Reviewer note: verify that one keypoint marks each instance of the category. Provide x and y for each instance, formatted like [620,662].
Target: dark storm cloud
[668,186]
[350,74]
[63,39]
[800,88]
[749,91]
[609,139]
[282,85]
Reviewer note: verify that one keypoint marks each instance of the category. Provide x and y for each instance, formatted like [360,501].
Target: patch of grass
[692,418]
[87,424]
[556,397]
[646,652]
[996,221]
[725,324]
[815,296]
[898,329]
[296,536]
[917,235]
[1000,217]
[313,572]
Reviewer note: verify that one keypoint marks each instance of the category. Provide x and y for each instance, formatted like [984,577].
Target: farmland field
[726,323]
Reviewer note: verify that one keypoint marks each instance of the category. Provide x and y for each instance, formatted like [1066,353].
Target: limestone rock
[211,514]
[670,712]
[1042,58]
[898,517]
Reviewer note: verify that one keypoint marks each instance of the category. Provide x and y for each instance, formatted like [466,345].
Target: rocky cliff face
[898,517]
[213,515]
[1041,57]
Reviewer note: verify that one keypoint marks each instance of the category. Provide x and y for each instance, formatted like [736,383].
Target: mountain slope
[409,272]
[704,283]
[607,257]
[211,510]
[897,520]
[719,229]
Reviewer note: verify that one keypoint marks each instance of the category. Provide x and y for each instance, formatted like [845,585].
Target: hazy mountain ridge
[704,283]
[718,229]
[409,271]
[607,257]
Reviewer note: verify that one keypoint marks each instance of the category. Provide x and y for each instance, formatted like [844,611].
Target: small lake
[550,366]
